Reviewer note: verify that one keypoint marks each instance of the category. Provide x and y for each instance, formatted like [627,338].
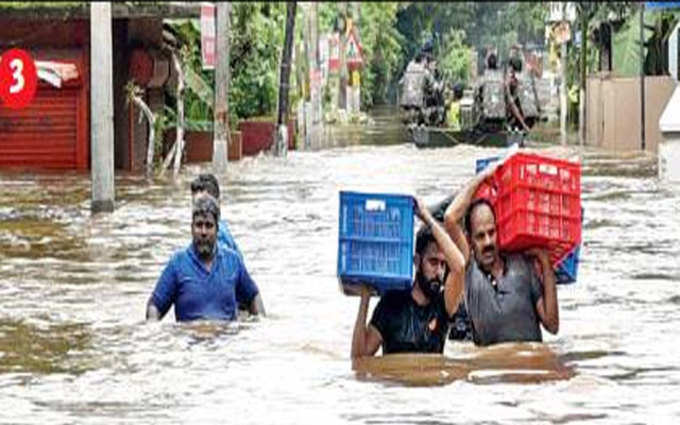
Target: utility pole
[563,83]
[582,92]
[101,107]
[222,71]
[316,83]
[344,11]
[642,75]
[281,145]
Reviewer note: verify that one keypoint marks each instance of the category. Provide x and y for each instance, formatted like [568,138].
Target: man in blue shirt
[207,183]
[206,280]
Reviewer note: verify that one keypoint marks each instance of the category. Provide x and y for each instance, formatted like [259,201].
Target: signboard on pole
[354,52]
[208,34]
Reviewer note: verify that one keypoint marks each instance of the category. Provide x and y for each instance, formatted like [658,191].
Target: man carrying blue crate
[416,319]
[505,299]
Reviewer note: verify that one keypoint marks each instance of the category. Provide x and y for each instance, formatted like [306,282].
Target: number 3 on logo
[18,78]
[18,66]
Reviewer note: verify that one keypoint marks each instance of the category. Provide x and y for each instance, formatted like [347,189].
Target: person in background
[453,108]
[204,281]
[207,183]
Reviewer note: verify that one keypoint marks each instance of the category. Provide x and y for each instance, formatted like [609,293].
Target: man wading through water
[417,319]
[504,298]
[206,280]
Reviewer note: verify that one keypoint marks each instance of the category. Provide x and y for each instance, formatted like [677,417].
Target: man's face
[204,233]
[483,238]
[430,271]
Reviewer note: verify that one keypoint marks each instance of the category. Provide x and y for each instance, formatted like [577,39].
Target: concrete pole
[342,92]
[642,75]
[582,91]
[101,107]
[563,83]
[222,71]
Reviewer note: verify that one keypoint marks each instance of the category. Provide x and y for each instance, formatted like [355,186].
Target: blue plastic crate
[567,270]
[375,240]
[482,163]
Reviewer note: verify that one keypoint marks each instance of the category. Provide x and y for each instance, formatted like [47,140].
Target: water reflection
[504,363]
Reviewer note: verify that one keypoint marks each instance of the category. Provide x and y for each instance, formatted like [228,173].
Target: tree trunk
[179,140]
[222,71]
[178,147]
[151,119]
[281,145]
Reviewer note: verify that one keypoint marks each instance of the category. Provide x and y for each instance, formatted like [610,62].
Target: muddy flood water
[74,347]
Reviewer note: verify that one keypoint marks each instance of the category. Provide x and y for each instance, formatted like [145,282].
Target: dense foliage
[391,33]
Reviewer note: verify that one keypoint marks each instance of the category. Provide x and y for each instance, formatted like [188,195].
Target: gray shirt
[506,312]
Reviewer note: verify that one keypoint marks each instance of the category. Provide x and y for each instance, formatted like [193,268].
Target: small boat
[434,137]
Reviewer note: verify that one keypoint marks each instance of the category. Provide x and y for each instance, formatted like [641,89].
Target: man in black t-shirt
[417,319]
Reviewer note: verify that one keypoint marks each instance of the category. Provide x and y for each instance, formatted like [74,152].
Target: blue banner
[656,5]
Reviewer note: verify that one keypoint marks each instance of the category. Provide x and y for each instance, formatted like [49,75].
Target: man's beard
[204,248]
[431,287]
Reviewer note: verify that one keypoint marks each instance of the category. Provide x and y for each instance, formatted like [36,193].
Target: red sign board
[208,35]
[18,78]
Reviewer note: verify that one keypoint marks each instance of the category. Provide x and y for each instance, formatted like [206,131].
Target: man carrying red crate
[415,320]
[505,299]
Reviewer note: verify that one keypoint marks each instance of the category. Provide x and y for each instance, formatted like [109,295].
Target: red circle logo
[18,78]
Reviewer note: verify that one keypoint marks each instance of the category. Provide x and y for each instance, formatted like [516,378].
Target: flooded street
[74,347]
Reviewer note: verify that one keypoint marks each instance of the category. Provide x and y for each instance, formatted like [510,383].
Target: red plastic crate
[537,202]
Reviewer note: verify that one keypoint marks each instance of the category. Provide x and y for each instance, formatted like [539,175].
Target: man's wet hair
[424,237]
[491,61]
[470,210]
[515,63]
[206,204]
[208,183]
[458,90]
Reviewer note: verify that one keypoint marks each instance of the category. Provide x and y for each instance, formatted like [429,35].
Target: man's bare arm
[365,339]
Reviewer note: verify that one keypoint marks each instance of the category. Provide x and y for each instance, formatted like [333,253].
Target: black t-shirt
[407,327]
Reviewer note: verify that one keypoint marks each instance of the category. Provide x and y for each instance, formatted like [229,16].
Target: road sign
[354,52]
[208,34]
[18,78]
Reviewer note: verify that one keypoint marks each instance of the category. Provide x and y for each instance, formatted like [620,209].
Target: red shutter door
[50,133]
